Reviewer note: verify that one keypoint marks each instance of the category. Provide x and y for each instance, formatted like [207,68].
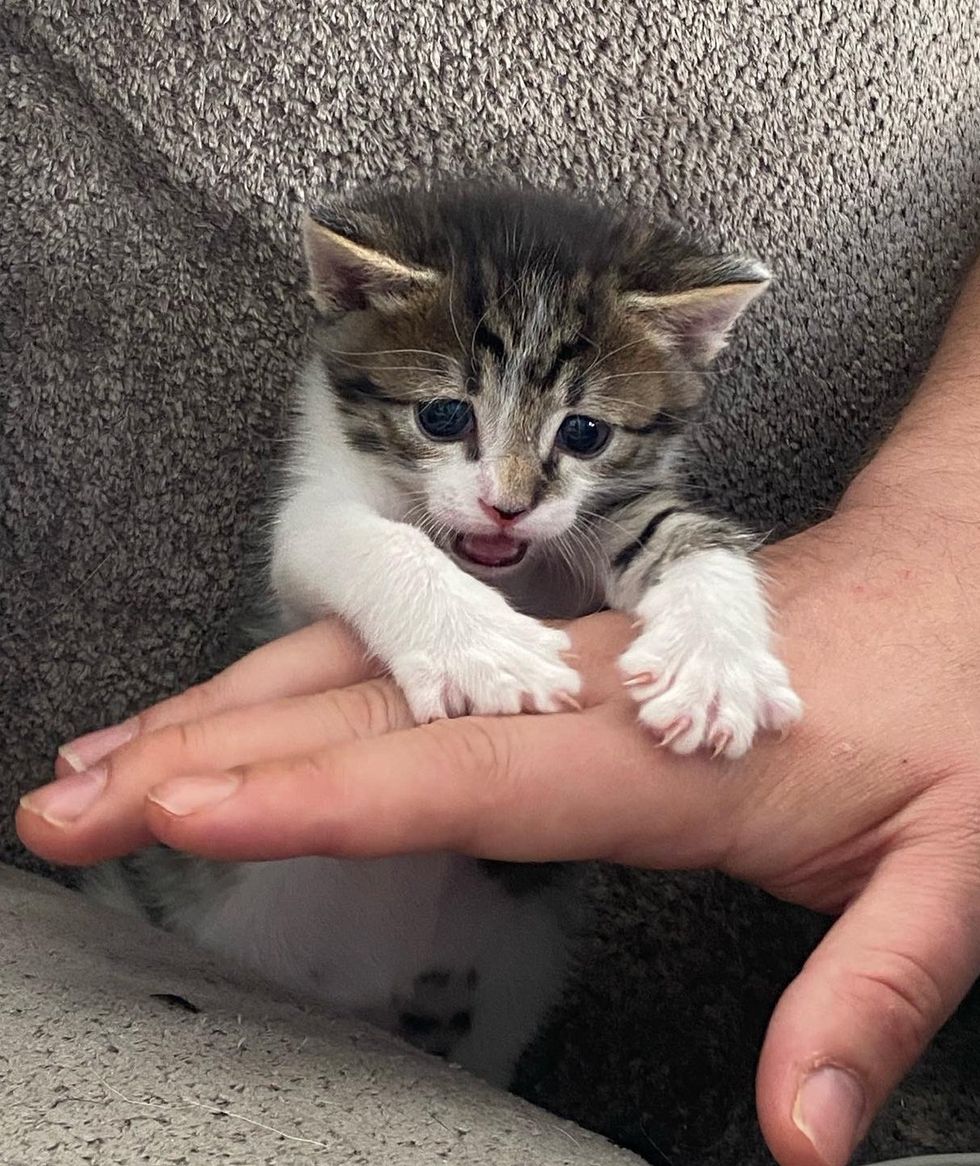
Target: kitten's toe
[781,709]
[555,691]
[679,721]
[424,685]
[694,697]
[498,670]
[427,704]
[527,664]
[731,731]
[682,735]
[719,740]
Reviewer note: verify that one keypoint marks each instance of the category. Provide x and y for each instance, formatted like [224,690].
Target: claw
[674,730]
[721,741]
[637,625]
[639,679]
[568,700]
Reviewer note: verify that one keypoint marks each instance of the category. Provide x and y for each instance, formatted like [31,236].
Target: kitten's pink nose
[501,517]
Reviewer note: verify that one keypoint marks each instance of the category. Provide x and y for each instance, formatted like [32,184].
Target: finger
[56,823]
[323,655]
[884,979]
[506,788]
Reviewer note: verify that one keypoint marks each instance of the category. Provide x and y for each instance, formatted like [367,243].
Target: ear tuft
[696,321]
[350,275]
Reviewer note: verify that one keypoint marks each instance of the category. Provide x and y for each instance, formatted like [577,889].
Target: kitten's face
[509,427]
[515,359]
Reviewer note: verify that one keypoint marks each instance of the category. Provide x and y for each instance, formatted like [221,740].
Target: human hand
[870,809]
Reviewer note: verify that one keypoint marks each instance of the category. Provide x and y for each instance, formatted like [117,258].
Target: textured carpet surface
[129,1048]
[153,159]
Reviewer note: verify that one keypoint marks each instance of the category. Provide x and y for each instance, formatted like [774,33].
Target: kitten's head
[517,358]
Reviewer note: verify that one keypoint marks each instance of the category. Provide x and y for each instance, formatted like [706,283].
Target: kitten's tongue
[491,550]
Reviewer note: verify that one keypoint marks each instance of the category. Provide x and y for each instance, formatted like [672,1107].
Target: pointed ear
[697,321]
[347,275]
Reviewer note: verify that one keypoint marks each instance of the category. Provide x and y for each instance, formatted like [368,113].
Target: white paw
[495,662]
[709,697]
[702,672]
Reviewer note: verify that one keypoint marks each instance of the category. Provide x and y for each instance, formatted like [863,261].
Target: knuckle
[371,708]
[183,738]
[180,741]
[332,803]
[477,750]
[906,1000]
[191,704]
[310,771]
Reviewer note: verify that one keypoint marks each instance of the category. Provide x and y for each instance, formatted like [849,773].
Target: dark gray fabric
[152,162]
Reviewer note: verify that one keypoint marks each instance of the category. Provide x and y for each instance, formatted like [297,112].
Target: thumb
[869,999]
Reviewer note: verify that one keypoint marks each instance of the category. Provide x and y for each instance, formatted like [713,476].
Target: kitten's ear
[697,320]
[349,274]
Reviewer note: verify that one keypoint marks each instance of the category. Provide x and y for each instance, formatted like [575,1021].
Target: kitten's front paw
[700,686]
[494,664]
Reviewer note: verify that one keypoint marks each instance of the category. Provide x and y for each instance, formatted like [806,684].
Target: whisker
[437,531]
[595,517]
[578,554]
[625,403]
[386,352]
[567,558]
[476,328]
[403,368]
[589,552]
[589,539]
[452,315]
[662,372]
[601,359]
[575,563]
[492,304]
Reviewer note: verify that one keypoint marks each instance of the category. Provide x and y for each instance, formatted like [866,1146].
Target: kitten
[488,432]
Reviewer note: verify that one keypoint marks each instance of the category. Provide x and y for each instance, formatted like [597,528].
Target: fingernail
[84,752]
[187,795]
[828,1111]
[66,800]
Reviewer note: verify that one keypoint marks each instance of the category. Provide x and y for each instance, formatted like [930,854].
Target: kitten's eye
[583,436]
[445,419]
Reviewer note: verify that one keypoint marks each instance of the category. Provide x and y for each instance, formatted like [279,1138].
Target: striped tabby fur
[489,430]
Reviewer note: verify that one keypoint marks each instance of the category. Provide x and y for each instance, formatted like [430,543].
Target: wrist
[930,463]
[923,473]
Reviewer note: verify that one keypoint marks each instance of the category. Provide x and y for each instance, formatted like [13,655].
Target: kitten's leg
[453,644]
[519,982]
[701,666]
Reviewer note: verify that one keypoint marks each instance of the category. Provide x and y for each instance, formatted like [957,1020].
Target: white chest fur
[433,938]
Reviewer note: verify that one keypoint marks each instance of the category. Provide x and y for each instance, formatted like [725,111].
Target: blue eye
[583,436]
[445,419]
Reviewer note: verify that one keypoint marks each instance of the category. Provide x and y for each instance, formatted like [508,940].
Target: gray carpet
[153,159]
[133,1049]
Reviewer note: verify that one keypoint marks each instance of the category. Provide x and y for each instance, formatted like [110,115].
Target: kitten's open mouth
[490,550]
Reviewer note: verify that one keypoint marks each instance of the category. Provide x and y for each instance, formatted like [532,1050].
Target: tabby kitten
[489,431]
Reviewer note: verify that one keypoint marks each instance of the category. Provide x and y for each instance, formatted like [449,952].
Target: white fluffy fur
[705,642]
[357,934]
[342,545]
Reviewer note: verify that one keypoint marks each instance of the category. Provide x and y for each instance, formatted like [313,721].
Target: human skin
[870,810]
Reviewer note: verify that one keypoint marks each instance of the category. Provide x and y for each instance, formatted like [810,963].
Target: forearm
[340,558]
[931,462]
